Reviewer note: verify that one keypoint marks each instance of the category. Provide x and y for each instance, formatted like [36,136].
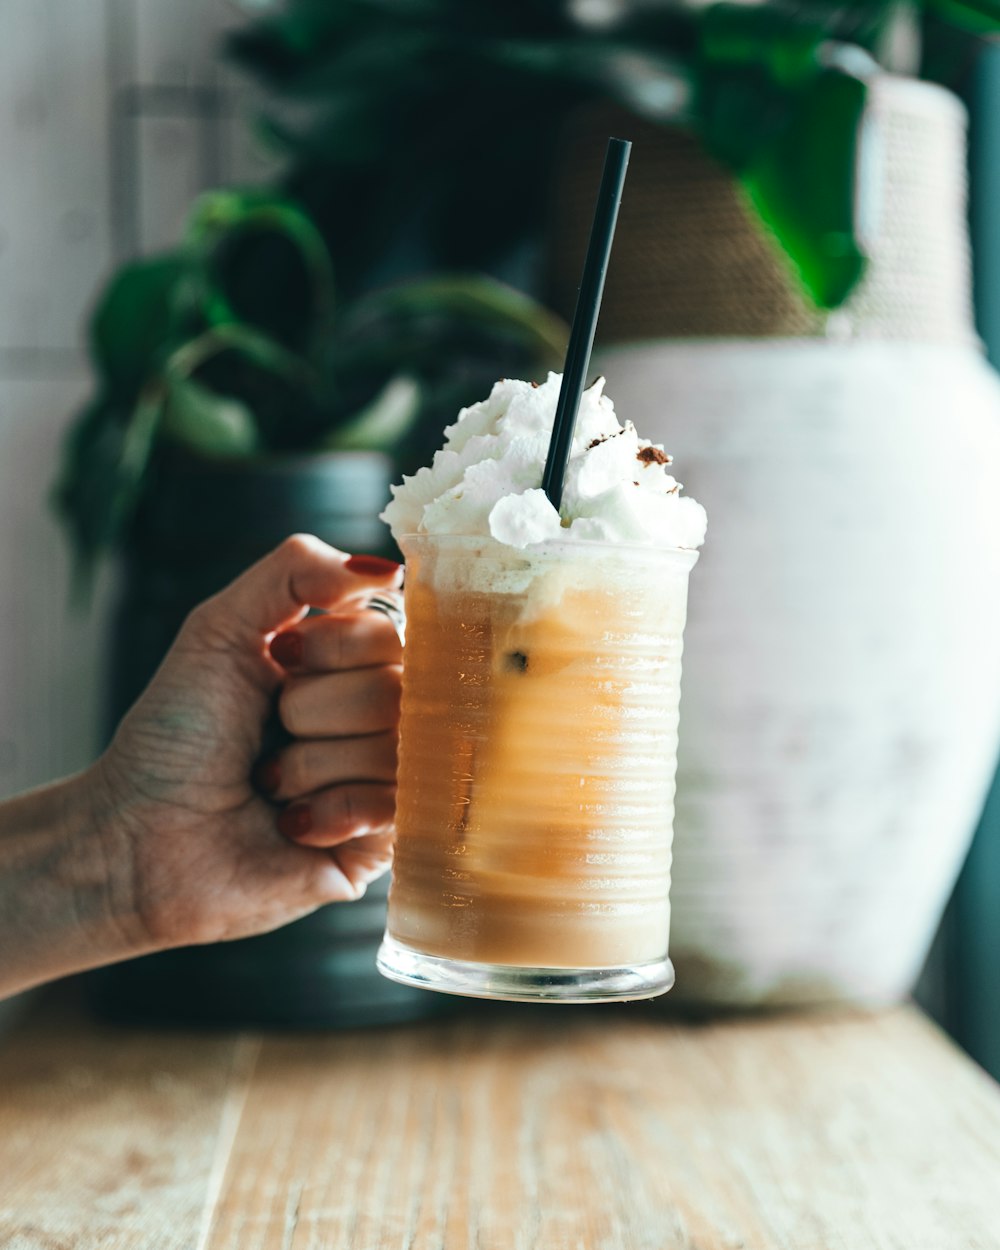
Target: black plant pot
[201,524]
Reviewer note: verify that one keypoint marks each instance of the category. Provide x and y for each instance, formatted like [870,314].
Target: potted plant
[445,119]
[240,398]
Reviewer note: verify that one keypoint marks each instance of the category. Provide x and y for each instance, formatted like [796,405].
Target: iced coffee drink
[540,707]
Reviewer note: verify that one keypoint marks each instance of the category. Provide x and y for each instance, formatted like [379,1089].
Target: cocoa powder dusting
[596,442]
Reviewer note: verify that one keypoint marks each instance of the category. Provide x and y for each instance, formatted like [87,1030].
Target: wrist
[65,901]
[100,865]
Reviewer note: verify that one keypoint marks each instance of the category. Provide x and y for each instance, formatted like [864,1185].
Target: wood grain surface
[520,1130]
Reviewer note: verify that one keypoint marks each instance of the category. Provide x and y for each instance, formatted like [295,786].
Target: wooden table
[536,1129]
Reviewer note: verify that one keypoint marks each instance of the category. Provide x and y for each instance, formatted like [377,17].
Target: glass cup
[538,748]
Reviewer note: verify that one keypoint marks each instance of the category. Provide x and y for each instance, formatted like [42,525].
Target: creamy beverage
[540,704]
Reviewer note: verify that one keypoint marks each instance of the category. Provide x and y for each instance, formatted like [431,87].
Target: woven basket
[692,259]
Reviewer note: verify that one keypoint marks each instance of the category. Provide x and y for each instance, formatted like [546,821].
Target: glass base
[522,985]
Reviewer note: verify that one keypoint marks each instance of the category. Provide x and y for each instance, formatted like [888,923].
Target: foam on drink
[486,479]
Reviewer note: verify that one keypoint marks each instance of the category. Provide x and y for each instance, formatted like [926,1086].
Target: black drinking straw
[588,305]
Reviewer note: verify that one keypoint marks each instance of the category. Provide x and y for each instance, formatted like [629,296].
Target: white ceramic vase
[841,695]
[840,718]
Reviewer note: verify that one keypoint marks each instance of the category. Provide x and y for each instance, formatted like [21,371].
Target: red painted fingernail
[295,821]
[266,776]
[371,566]
[286,648]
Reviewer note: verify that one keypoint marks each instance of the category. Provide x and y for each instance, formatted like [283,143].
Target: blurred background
[254,257]
[114,116]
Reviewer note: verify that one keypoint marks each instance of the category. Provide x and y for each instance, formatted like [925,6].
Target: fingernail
[266,776]
[371,566]
[286,649]
[294,822]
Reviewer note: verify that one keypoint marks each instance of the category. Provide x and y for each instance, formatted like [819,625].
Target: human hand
[194,852]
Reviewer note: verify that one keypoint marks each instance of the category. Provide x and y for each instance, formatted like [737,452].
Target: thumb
[279,590]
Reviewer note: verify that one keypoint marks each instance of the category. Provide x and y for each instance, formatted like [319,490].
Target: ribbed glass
[537,754]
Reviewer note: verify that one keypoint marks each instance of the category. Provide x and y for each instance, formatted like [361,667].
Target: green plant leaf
[259,259]
[470,299]
[136,320]
[383,423]
[277,387]
[977,17]
[645,80]
[454,334]
[263,351]
[806,185]
[105,459]
[771,108]
[206,423]
[84,490]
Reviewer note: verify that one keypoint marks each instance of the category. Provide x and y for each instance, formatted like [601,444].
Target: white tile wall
[172,170]
[54,194]
[113,113]
[175,41]
[49,656]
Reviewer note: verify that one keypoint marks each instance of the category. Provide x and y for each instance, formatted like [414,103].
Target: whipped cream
[486,479]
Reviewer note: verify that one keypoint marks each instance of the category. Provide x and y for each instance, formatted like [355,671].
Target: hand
[194,852]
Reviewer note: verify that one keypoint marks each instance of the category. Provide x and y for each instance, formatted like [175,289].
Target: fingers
[346,871]
[344,685]
[341,840]
[341,704]
[331,705]
[364,859]
[278,590]
[309,876]
[317,763]
[338,641]
[339,813]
